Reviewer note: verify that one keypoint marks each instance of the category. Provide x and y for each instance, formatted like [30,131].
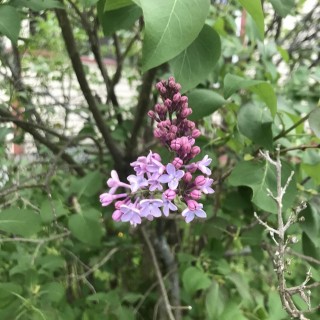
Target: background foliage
[251,72]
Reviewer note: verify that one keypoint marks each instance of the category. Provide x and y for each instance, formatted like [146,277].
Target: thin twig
[158,273]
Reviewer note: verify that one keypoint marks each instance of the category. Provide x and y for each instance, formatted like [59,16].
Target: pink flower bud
[192,205]
[184,99]
[151,114]
[168,103]
[195,151]
[169,194]
[177,162]
[187,177]
[196,133]
[176,98]
[157,133]
[191,125]
[163,90]
[173,129]
[200,181]
[178,86]
[158,108]
[175,144]
[116,216]
[192,167]
[195,194]
[159,85]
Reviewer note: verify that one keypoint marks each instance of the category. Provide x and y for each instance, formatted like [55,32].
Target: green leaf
[254,8]
[86,230]
[38,5]
[260,176]
[7,291]
[241,285]
[110,5]
[170,27]
[197,61]
[311,224]
[9,22]
[275,308]
[263,89]
[204,102]
[22,222]
[232,311]
[283,8]
[314,121]
[194,279]
[53,291]
[214,301]
[89,185]
[254,122]
[88,3]
[51,210]
[312,170]
[122,18]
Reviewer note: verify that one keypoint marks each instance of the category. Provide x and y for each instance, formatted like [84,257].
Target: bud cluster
[157,189]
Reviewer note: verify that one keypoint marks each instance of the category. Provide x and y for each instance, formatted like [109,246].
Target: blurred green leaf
[197,61]
[122,18]
[283,8]
[254,122]
[21,222]
[53,292]
[110,5]
[9,22]
[86,230]
[254,8]
[263,89]
[38,5]
[194,279]
[314,121]
[173,31]
[204,102]
[214,302]
[259,177]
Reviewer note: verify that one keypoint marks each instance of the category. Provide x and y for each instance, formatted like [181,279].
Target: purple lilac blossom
[191,214]
[173,176]
[155,187]
[150,207]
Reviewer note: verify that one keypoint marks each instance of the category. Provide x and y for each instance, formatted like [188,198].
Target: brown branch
[302,147]
[142,107]
[79,71]
[43,140]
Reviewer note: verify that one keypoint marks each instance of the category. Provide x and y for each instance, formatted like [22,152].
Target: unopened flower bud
[175,144]
[178,86]
[184,99]
[200,181]
[157,133]
[169,194]
[177,162]
[187,177]
[173,129]
[191,125]
[185,112]
[195,194]
[116,216]
[195,151]
[192,204]
[151,114]
[196,133]
[176,98]
[168,103]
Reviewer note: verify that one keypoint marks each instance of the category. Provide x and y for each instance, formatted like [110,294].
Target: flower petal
[179,174]
[189,217]
[173,184]
[200,213]
[171,169]
[165,178]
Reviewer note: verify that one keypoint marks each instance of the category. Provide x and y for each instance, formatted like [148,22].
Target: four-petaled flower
[190,214]
[130,213]
[150,208]
[173,176]
[168,206]
[203,164]
[137,182]
[206,188]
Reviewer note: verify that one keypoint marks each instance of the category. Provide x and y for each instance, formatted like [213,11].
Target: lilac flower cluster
[157,189]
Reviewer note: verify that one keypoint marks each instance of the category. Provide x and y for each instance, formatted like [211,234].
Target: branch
[79,71]
[158,273]
[51,146]
[142,106]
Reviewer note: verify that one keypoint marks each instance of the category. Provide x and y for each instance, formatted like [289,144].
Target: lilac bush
[158,189]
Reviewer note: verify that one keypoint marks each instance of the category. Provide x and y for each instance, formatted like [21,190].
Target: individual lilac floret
[130,213]
[206,188]
[137,182]
[150,208]
[193,210]
[107,198]
[167,204]
[114,182]
[173,176]
[203,164]
[154,184]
